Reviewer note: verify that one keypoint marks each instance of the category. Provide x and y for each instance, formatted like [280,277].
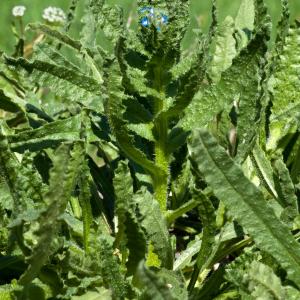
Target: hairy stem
[161,154]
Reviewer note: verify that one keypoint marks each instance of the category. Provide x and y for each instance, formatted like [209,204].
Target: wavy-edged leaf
[186,256]
[245,16]
[263,283]
[85,204]
[189,82]
[154,287]
[208,220]
[114,108]
[237,193]
[7,104]
[264,169]
[62,182]
[48,135]
[60,36]
[110,269]
[155,226]
[286,86]
[286,191]
[225,50]
[64,82]
[258,281]
[92,57]
[239,84]
[129,229]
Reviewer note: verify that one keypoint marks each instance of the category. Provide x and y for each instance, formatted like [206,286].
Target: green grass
[200,12]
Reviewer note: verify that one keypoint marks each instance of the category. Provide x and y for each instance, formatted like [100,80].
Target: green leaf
[189,82]
[264,169]
[115,109]
[155,226]
[237,193]
[59,36]
[186,256]
[154,287]
[208,220]
[224,51]
[84,200]
[263,282]
[110,269]
[63,175]
[239,85]
[101,294]
[48,135]
[129,229]
[7,104]
[285,89]
[66,82]
[286,191]
[245,16]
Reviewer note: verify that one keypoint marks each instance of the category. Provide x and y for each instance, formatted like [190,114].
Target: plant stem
[162,161]
[161,154]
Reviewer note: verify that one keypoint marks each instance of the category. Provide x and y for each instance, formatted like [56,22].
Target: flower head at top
[18,11]
[54,15]
[151,16]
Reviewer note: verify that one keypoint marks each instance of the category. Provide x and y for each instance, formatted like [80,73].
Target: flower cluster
[54,15]
[18,11]
[149,16]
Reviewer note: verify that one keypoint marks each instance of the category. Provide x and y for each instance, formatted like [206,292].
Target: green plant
[131,169]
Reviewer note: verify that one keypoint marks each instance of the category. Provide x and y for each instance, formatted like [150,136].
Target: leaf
[7,104]
[101,294]
[114,109]
[189,82]
[264,169]
[237,193]
[239,84]
[129,229]
[155,226]
[245,16]
[110,269]
[64,81]
[263,283]
[60,36]
[285,89]
[224,51]
[154,287]
[48,135]
[286,191]
[208,219]
[63,175]
[186,256]
[84,200]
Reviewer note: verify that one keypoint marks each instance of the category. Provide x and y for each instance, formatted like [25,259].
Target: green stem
[160,183]
[175,214]
[162,161]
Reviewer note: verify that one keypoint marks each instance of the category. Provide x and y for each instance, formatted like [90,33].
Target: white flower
[54,15]
[18,11]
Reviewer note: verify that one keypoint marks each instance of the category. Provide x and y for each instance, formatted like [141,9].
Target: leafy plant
[132,169]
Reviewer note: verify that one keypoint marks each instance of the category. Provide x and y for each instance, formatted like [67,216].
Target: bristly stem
[162,161]
[161,154]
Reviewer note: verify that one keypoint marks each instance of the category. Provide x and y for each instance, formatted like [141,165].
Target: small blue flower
[145,22]
[149,16]
[164,19]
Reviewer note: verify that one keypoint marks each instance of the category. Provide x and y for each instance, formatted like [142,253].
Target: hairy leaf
[155,227]
[237,192]
[63,175]
[129,228]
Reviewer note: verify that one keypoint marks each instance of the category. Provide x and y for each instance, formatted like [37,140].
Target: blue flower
[150,16]
[145,22]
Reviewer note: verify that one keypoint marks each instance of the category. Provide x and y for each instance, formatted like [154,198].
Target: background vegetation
[200,13]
